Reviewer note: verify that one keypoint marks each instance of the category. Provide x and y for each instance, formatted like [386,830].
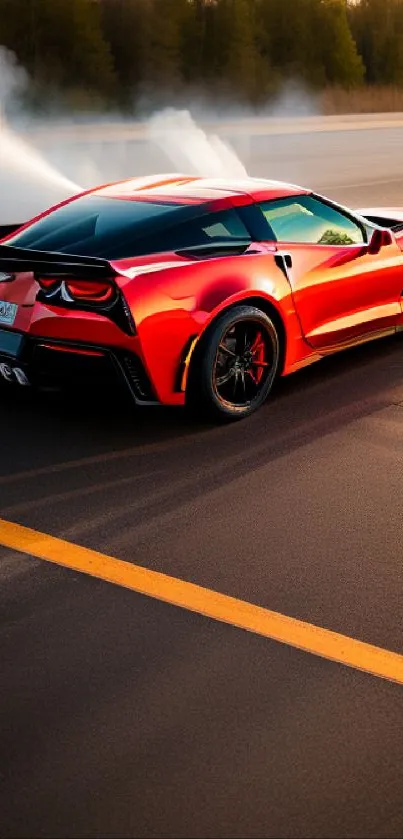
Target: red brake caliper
[258,351]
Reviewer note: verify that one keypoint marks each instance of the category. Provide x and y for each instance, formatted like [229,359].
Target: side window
[202,230]
[306,219]
[222,225]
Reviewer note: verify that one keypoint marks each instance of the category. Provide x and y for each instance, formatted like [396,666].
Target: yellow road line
[212,604]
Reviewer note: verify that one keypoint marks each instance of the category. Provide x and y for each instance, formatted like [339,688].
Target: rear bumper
[42,362]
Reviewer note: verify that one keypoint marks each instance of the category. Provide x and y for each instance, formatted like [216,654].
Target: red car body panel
[341,293]
[180,303]
[330,297]
[169,306]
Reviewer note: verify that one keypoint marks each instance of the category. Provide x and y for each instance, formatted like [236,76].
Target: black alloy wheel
[238,361]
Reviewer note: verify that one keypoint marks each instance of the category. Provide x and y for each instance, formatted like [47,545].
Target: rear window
[116,228]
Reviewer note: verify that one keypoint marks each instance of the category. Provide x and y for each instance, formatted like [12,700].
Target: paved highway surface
[123,716]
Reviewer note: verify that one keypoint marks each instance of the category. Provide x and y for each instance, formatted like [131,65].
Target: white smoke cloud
[13,79]
[28,183]
[43,161]
[191,149]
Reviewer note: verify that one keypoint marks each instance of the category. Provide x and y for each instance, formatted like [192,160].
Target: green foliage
[115,51]
[338,51]
[377,26]
[61,44]
[334,237]
[241,66]
[289,38]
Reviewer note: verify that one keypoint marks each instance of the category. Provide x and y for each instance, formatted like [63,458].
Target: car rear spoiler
[8,229]
[51,264]
[56,264]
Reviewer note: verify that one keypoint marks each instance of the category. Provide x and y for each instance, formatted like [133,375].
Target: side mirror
[379,239]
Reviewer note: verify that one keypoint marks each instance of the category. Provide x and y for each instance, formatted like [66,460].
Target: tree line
[127,52]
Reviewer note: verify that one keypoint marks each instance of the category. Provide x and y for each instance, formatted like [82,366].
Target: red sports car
[195,291]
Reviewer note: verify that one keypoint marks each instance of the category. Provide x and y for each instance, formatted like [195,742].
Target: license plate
[8,312]
[11,343]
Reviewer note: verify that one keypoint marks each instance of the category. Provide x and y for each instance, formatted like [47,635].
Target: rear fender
[173,308]
[269,290]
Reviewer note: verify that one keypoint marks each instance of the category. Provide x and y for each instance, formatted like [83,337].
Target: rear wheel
[236,363]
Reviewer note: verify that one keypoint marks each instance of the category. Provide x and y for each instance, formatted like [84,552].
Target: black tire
[231,375]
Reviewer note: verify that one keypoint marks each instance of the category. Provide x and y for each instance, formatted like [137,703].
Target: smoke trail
[27,180]
[36,173]
[190,149]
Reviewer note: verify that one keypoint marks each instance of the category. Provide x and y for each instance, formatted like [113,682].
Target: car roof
[189,189]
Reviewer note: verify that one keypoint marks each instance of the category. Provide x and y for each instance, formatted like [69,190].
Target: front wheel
[236,363]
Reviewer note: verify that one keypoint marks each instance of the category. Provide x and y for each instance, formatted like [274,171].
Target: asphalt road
[122,716]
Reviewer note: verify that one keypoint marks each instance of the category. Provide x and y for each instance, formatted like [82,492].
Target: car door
[342,291]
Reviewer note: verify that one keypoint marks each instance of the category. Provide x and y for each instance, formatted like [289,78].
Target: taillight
[98,295]
[84,291]
[47,284]
[97,291]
